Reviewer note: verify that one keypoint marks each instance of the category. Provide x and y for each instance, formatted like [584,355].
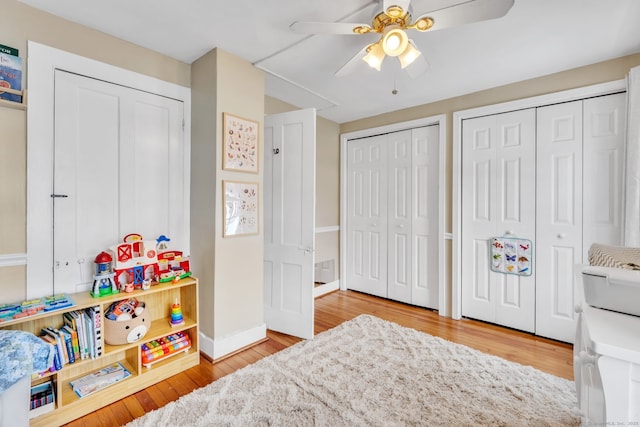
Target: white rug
[370,372]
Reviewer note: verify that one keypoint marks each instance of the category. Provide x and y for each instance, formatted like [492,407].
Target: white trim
[329,229]
[220,347]
[11,260]
[43,61]
[324,289]
[441,121]
[458,117]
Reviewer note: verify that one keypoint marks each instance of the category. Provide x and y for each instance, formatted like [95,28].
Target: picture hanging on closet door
[511,255]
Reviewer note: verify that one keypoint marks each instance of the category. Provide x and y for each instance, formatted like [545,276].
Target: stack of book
[42,399]
[98,380]
[79,338]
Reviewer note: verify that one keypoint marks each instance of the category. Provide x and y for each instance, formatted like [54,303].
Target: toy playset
[137,264]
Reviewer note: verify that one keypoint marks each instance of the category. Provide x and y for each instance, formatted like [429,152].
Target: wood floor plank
[331,310]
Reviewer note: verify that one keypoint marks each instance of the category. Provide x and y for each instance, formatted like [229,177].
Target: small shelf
[158,299]
[69,396]
[159,328]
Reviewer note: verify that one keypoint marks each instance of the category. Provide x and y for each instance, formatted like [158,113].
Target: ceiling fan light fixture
[394,41]
[375,56]
[409,55]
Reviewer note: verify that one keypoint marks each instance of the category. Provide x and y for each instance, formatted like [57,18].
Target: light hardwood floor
[330,310]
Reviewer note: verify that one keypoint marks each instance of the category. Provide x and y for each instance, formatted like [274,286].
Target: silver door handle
[306,250]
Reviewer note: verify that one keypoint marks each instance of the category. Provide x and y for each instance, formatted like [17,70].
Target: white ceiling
[535,38]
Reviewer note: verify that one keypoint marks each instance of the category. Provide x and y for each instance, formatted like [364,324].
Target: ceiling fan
[393,18]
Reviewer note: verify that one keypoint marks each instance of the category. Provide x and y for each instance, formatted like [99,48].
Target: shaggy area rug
[371,372]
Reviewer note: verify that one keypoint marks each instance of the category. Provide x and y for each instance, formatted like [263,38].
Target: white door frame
[458,117]
[43,60]
[440,120]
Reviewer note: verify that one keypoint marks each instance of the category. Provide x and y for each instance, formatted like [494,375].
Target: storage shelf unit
[158,300]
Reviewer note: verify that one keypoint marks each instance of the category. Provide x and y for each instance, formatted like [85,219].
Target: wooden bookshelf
[158,300]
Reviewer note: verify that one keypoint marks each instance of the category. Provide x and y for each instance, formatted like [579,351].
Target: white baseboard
[326,288]
[217,348]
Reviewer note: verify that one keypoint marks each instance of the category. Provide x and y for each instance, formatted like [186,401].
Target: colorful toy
[103,283]
[176,315]
[172,265]
[136,261]
[160,349]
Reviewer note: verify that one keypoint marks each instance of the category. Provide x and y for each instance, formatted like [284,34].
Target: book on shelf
[96,381]
[10,77]
[42,399]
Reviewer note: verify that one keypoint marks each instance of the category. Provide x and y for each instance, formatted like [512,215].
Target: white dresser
[607,366]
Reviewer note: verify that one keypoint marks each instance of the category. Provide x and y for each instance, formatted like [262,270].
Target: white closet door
[367,215]
[603,148]
[399,234]
[119,165]
[559,217]
[498,199]
[424,221]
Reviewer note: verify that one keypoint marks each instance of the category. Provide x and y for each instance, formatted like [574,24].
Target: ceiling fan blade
[417,67]
[467,12]
[352,63]
[306,27]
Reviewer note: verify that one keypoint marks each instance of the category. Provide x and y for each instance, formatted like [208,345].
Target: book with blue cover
[10,76]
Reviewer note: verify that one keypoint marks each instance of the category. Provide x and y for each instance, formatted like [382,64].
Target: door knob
[561,235]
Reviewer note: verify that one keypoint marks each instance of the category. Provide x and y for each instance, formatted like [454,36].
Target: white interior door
[400,209]
[424,219]
[289,217]
[559,217]
[603,150]
[498,199]
[119,168]
[367,215]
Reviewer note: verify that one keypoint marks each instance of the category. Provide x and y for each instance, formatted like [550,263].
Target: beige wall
[19,23]
[327,244]
[230,269]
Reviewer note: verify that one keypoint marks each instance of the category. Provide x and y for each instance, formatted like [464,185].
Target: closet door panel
[559,217]
[424,221]
[399,221]
[498,181]
[367,216]
[604,138]
[479,223]
[515,160]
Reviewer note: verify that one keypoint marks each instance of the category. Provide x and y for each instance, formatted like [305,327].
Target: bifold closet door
[559,217]
[580,163]
[412,216]
[367,215]
[498,199]
[392,215]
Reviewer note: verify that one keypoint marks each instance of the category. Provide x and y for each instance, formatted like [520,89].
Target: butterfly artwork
[511,255]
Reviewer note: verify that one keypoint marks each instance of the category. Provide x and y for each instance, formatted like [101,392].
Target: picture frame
[240,143]
[241,203]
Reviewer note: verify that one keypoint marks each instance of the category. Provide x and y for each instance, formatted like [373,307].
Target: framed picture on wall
[240,137]
[240,208]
